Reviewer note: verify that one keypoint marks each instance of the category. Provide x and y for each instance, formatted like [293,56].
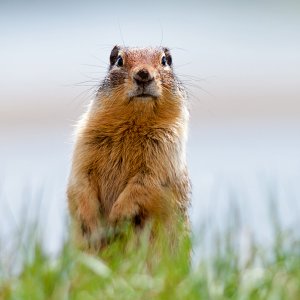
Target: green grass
[136,269]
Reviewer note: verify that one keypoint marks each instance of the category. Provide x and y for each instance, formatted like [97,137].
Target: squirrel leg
[141,196]
[85,212]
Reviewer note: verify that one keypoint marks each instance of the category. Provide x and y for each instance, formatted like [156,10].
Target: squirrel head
[141,74]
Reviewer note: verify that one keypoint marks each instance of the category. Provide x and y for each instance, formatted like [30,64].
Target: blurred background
[240,61]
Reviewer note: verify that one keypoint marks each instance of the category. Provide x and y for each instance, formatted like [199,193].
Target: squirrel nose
[142,77]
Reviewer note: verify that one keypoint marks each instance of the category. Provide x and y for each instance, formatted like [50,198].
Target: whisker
[94,66]
[121,33]
[100,60]
[183,65]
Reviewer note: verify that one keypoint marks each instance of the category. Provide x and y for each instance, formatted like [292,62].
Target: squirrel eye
[164,61]
[119,61]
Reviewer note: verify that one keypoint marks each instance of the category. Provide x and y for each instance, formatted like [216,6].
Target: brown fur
[129,157]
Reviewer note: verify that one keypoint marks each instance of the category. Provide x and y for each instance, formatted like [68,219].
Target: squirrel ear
[114,54]
[168,55]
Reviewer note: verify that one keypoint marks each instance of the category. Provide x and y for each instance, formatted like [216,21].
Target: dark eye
[164,61]
[119,61]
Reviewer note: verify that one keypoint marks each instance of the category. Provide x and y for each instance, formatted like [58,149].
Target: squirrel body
[129,158]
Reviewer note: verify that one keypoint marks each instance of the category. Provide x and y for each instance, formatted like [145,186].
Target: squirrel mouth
[143,96]
[144,92]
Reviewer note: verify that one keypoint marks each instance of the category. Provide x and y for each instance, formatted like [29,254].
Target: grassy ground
[138,270]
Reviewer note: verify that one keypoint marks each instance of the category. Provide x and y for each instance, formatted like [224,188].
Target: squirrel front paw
[123,211]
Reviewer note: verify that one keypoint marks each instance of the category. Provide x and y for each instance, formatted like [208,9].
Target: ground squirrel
[129,161]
